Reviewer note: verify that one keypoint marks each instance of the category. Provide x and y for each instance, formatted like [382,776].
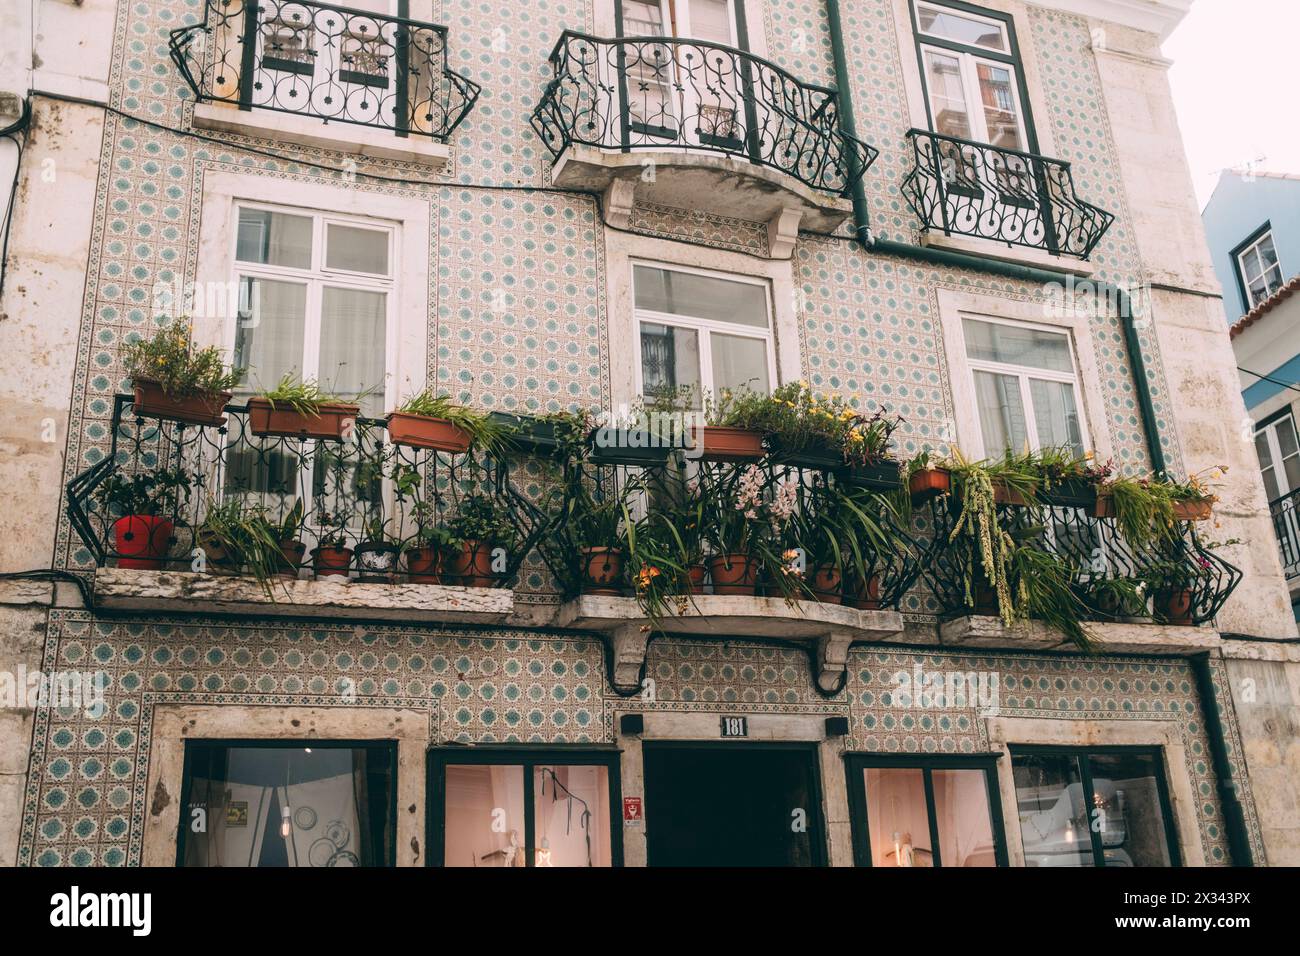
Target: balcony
[221,519]
[1286,525]
[310,65]
[962,190]
[697,125]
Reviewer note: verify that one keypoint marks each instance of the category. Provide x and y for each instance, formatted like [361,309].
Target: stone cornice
[1154,16]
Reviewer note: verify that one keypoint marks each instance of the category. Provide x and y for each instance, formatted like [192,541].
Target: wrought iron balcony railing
[662,93]
[973,189]
[361,492]
[1098,552]
[324,61]
[1286,525]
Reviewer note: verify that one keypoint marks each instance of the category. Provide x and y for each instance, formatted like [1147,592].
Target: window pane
[947,23]
[269,336]
[571,814]
[1267,252]
[961,809]
[1017,345]
[670,358]
[1056,417]
[1052,810]
[702,297]
[897,820]
[356,250]
[287,806]
[998,97]
[1002,412]
[947,95]
[484,816]
[711,20]
[1262,449]
[739,361]
[1286,437]
[1270,484]
[1127,809]
[1250,264]
[274,238]
[642,19]
[353,344]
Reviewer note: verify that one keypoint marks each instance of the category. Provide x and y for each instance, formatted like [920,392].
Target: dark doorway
[732,805]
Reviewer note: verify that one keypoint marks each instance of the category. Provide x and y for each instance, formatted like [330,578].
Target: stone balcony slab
[1111,638]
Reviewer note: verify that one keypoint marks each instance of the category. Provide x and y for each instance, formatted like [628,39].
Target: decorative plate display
[304,818]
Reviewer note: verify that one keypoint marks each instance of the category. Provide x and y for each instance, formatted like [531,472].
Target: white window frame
[1253,250]
[315,277]
[941,8]
[1269,431]
[1023,374]
[704,328]
[969,63]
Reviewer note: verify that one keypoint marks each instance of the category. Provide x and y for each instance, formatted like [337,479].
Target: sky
[1235,75]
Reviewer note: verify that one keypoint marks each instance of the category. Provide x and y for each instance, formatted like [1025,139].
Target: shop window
[1094,807]
[274,803]
[520,809]
[917,812]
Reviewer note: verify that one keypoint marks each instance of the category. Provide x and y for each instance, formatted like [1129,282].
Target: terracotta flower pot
[695,576]
[866,596]
[734,574]
[471,566]
[200,408]
[1005,495]
[424,565]
[332,421]
[827,583]
[423,431]
[1174,606]
[730,444]
[291,555]
[331,562]
[142,541]
[219,560]
[602,570]
[930,483]
[1193,509]
[1105,506]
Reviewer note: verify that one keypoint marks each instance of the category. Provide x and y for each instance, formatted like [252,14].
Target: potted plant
[286,532]
[601,534]
[172,380]
[1148,509]
[426,420]
[479,526]
[1172,582]
[732,431]
[300,409]
[377,553]
[427,557]
[746,520]
[143,507]
[1069,479]
[539,435]
[926,479]
[1115,599]
[235,537]
[332,557]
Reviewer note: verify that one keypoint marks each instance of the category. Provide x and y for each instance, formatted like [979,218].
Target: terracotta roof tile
[1289,288]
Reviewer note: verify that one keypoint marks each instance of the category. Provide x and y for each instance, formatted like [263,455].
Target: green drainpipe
[1234,818]
[858,191]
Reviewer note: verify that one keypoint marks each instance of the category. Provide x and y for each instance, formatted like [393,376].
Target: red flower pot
[424,565]
[471,566]
[1193,510]
[1174,606]
[291,555]
[422,431]
[200,408]
[1004,495]
[331,562]
[332,421]
[142,541]
[602,570]
[827,582]
[929,483]
[734,574]
[695,575]
[866,596]
[730,444]
[1105,506]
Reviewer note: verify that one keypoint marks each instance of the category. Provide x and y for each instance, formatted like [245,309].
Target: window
[264,803]
[700,329]
[1258,268]
[1279,456]
[1096,807]
[925,811]
[524,808]
[970,71]
[1026,386]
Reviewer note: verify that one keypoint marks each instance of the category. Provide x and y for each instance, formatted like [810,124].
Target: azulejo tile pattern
[885,720]
[85,800]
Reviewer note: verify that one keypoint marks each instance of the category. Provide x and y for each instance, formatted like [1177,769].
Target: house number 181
[735,726]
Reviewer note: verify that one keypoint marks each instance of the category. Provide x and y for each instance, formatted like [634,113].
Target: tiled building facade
[514,293]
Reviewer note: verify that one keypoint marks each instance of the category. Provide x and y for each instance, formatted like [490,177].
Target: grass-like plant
[303,396]
[170,359]
[484,432]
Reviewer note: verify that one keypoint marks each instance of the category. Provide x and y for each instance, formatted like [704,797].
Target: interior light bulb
[544,853]
[286,822]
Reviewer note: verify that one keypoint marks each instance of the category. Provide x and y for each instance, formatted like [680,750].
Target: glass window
[702,330]
[525,811]
[962,27]
[1093,808]
[281,804]
[1026,389]
[274,238]
[1261,273]
[910,808]
[1279,456]
[353,249]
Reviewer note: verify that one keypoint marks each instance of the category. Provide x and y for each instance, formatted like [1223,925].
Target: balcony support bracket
[628,644]
[783,232]
[618,200]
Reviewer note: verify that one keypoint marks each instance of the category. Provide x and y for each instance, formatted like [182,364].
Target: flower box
[424,431]
[723,444]
[1072,493]
[628,446]
[885,475]
[527,435]
[929,483]
[331,421]
[199,408]
[1193,509]
[816,458]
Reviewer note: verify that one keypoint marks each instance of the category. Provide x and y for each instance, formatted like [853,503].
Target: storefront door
[740,804]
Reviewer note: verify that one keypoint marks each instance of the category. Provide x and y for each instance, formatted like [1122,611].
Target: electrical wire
[11,133]
[1275,381]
